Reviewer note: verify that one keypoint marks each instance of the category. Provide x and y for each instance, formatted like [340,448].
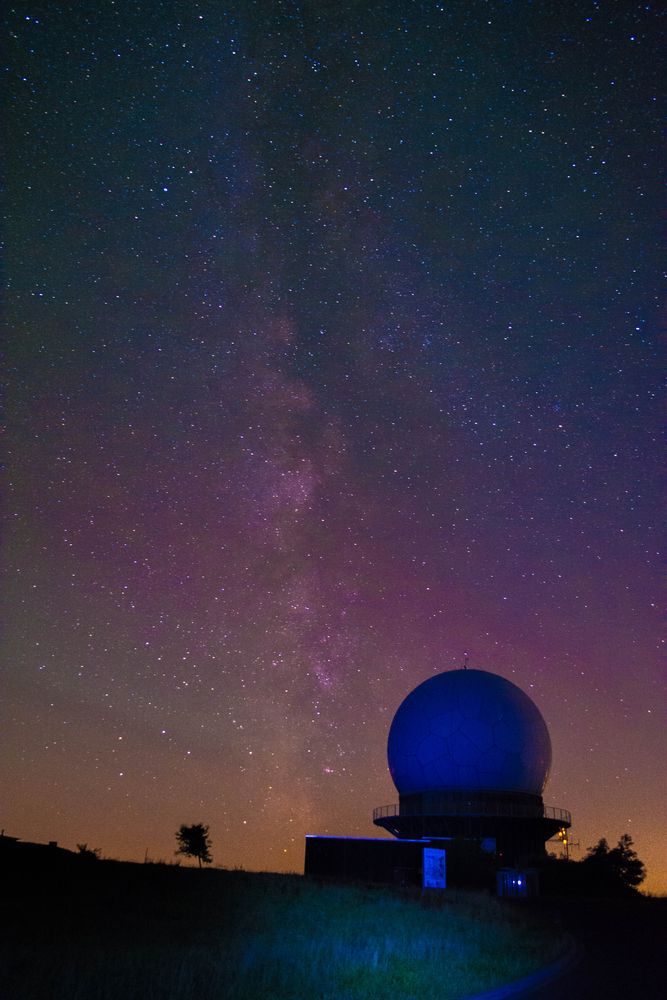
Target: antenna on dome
[465,661]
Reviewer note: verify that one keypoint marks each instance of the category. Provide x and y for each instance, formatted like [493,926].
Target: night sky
[331,357]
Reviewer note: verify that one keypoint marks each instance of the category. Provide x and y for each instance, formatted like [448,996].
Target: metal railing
[475,807]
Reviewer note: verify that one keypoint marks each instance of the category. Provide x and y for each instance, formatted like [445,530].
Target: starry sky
[331,356]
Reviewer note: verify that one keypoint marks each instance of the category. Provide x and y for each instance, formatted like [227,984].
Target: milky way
[332,357]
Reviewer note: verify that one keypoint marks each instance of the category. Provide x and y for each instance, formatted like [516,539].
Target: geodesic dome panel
[468,730]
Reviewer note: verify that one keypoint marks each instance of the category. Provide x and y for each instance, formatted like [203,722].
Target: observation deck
[519,823]
[476,807]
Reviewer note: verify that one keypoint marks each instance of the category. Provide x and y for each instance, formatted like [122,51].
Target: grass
[112,931]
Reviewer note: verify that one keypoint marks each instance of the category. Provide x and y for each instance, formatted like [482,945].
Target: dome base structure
[515,825]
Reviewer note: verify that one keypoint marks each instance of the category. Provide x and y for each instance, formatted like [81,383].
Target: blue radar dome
[468,730]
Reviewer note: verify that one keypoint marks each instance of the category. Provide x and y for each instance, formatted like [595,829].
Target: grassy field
[106,931]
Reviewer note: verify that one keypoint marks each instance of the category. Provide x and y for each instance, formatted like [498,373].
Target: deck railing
[476,807]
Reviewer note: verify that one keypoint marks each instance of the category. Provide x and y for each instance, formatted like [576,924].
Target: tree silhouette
[618,864]
[194,842]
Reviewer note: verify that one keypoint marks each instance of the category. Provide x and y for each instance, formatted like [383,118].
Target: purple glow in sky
[331,355]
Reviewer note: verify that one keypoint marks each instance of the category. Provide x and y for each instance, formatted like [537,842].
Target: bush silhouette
[89,853]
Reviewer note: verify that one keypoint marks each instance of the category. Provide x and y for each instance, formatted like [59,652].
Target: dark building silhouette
[14,851]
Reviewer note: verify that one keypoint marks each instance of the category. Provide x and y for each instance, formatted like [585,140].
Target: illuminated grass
[160,933]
